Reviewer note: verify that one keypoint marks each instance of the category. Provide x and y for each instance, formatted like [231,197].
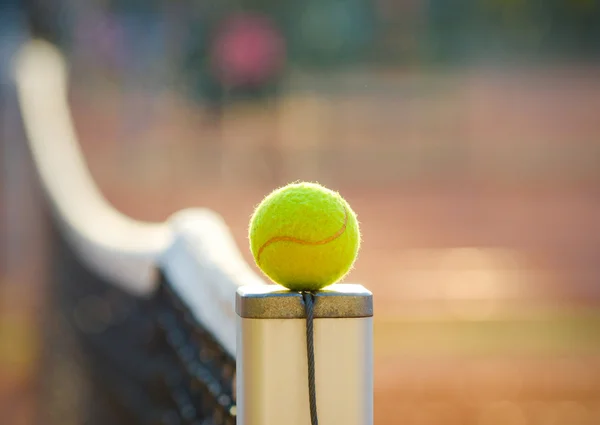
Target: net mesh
[114,358]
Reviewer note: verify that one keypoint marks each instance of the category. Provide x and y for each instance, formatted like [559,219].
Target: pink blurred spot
[248,50]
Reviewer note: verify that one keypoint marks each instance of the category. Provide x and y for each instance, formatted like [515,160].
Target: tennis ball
[304,236]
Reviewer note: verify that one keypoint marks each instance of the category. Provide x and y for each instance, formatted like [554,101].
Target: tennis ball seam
[327,240]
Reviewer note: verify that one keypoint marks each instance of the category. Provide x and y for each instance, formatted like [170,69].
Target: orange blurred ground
[480,209]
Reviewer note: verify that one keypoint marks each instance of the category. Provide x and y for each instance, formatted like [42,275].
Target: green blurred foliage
[513,29]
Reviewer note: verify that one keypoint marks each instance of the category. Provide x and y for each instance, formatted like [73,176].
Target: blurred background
[465,134]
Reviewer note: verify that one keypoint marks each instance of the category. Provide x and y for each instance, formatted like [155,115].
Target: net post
[272,360]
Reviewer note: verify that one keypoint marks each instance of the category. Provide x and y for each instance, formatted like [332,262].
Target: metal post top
[276,302]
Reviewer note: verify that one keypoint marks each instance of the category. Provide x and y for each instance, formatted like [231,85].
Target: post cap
[340,300]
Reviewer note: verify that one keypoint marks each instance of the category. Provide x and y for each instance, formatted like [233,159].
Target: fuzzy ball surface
[304,236]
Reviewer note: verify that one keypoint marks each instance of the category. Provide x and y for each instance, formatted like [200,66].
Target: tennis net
[143,326]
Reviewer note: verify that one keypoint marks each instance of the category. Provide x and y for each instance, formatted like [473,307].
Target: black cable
[309,304]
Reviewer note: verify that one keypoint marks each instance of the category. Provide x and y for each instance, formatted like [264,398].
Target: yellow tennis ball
[304,236]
